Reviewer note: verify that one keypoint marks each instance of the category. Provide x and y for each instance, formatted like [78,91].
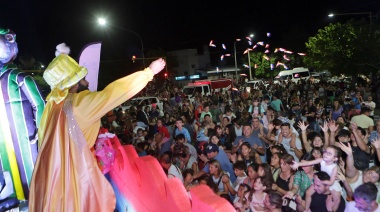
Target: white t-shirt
[286,143]
[175,172]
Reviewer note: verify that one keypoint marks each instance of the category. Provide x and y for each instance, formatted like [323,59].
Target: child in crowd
[239,170]
[329,165]
[255,199]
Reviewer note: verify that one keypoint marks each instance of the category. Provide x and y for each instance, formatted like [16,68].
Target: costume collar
[6,68]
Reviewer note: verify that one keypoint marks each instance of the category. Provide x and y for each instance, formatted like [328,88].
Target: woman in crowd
[285,179]
[303,179]
[221,178]
[275,165]
[265,170]
[252,175]
[336,111]
[273,202]
[247,155]
[220,134]
[230,137]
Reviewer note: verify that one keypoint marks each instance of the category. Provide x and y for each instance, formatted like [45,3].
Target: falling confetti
[261,43]
[266,57]
[275,50]
[238,39]
[248,38]
[268,34]
[227,55]
[271,66]
[266,51]
[254,47]
[286,58]
[281,49]
[267,46]
[250,43]
[211,43]
[222,57]
[302,54]
[255,65]
[224,46]
[245,65]
[288,52]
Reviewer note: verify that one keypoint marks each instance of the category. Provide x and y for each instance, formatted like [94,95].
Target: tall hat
[62,73]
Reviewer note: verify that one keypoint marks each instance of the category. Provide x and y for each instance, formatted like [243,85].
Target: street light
[103,22]
[360,13]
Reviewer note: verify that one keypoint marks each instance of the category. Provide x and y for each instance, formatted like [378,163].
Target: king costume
[66,176]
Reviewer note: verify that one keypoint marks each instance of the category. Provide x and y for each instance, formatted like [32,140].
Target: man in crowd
[66,177]
[247,136]
[321,199]
[363,120]
[365,199]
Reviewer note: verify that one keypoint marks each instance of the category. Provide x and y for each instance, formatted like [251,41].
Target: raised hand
[353,126]
[376,143]
[325,127]
[302,126]
[157,65]
[346,149]
[295,165]
[333,126]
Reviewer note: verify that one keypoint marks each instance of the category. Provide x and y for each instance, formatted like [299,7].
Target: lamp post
[103,22]
[237,40]
[249,61]
[249,65]
[360,13]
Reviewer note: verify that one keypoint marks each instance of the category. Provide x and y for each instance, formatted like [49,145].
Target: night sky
[171,25]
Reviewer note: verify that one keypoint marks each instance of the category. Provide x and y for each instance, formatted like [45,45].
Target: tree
[344,49]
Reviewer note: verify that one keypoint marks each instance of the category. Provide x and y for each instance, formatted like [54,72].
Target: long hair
[217,166]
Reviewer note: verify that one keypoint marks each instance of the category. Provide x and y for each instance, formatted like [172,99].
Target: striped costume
[21,107]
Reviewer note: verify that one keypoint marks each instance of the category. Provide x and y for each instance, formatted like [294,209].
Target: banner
[90,58]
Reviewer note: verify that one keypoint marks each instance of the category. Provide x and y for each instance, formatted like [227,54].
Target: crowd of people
[290,146]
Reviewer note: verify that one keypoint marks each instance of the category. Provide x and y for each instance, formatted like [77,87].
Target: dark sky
[42,24]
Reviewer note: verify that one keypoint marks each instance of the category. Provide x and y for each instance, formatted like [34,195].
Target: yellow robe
[66,176]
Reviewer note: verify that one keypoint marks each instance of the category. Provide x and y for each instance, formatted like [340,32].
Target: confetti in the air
[267,46]
[245,65]
[254,47]
[212,43]
[248,38]
[302,54]
[275,50]
[217,69]
[286,57]
[250,43]
[268,34]
[227,55]
[266,57]
[281,49]
[238,39]
[255,65]
[222,57]
[266,51]
[271,66]
[261,43]
[288,52]
[224,46]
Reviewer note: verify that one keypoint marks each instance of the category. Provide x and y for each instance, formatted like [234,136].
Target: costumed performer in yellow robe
[66,176]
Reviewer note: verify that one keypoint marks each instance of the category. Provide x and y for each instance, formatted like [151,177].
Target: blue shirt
[185,132]
[225,164]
